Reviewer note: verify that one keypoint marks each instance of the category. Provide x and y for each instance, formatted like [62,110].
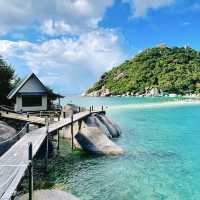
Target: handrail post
[47,145]
[90,109]
[27,114]
[72,131]
[101,108]
[79,109]
[64,115]
[30,169]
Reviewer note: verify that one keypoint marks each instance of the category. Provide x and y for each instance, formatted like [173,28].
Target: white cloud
[68,63]
[141,7]
[57,15]
[195,7]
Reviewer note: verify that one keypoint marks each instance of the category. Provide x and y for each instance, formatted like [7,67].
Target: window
[31,101]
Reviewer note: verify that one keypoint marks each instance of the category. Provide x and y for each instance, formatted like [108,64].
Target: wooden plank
[21,117]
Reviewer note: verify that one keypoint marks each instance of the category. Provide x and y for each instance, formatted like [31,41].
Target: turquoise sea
[162,153]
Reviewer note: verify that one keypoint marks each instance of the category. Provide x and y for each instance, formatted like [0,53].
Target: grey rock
[49,195]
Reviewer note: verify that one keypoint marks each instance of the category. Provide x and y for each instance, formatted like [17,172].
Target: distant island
[158,71]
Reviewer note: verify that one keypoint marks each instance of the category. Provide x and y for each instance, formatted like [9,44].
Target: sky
[69,44]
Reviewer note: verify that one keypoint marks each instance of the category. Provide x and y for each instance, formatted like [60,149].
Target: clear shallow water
[161,160]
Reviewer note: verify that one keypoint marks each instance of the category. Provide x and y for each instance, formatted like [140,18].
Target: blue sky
[70,43]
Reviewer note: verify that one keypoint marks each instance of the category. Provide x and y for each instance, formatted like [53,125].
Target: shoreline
[176,103]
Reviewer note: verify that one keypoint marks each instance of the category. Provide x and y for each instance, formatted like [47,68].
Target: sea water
[161,139]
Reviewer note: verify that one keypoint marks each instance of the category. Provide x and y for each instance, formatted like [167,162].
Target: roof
[21,84]
[59,95]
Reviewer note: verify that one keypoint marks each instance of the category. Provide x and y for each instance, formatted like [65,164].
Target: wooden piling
[102,108]
[92,107]
[64,115]
[30,169]
[27,127]
[58,142]
[72,131]
[79,124]
[27,114]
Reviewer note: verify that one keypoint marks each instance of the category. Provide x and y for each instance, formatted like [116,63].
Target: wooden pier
[17,159]
[23,117]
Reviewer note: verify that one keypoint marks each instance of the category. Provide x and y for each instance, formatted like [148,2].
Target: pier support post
[72,131]
[58,144]
[79,124]
[27,127]
[30,169]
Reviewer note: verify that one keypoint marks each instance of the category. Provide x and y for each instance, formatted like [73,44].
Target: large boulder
[49,195]
[95,134]
[94,141]
[70,109]
[6,137]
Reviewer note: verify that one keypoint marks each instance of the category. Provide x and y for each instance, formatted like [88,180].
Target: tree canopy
[173,70]
[6,77]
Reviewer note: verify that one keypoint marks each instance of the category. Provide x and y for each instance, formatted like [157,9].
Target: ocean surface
[161,139]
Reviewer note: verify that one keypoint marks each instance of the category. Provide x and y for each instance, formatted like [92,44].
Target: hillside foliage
[173,70]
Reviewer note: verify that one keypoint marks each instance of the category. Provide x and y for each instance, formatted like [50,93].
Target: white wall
[19,107]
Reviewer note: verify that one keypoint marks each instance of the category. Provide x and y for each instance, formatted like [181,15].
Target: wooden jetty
[18,158]
[23,117]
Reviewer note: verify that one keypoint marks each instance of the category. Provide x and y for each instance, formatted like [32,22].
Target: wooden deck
[14,162]
[25,118]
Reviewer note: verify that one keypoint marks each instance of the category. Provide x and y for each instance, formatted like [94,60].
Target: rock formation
[49,195]
[6,132]
[95,135]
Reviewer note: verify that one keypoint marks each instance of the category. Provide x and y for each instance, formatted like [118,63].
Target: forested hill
[170,70]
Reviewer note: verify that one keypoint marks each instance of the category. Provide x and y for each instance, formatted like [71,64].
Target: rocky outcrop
[49,195]
[153,92]
[94,141]
[103,92]
[70,109]
[120,75]
[6,133]
[95,135]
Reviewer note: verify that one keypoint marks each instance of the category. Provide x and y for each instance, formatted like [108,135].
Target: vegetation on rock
[172,70]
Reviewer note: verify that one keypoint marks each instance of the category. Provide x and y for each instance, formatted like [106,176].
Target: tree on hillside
[6,77]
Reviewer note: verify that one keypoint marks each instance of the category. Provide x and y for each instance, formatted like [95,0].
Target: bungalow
[30,95]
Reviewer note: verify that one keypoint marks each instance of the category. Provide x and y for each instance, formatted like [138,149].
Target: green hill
[170,70]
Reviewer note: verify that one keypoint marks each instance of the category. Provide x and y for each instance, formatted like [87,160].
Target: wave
[156,104]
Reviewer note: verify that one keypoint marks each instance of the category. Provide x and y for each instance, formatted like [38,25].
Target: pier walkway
[16,160]
[22,117]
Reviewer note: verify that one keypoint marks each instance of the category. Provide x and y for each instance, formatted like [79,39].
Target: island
[158,71]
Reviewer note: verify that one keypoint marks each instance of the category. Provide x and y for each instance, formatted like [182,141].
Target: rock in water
[95,133]
[49,195]
[94,121]
[92,140]
[6,140]
[113,129]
